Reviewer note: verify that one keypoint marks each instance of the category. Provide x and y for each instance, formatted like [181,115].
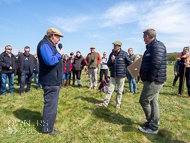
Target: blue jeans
[66,76]
[4,82]
[130,83]
[23,79]
[39,85]
[35,77]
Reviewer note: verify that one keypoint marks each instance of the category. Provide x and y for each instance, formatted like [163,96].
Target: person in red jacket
[67,67]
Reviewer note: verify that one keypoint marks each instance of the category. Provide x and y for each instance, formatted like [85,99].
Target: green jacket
[133,58]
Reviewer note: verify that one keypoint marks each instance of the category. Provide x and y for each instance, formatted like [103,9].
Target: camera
[92,60]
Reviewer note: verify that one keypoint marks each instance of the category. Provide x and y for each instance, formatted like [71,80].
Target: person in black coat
[26,63]
[117,62]
[176,73]
[78,65]
[183,62]
[8,65]
[153,75]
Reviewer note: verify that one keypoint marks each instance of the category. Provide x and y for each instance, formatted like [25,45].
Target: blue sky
[86,23]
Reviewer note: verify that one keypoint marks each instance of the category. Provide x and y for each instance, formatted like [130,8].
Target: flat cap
[118,43]
[54,31]
[92,47]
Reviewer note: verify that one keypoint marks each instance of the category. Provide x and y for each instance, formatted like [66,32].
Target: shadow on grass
[17,90]
[92,100]
[167,93]
[108,116]
[28,116]
[164,136]
[89,99]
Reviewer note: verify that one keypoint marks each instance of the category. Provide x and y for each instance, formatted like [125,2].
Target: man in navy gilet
[50,76]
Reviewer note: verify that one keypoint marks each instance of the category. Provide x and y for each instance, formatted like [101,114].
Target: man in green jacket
[133,58]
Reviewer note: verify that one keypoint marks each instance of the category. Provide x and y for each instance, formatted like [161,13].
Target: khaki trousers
[112,83]
[92,75]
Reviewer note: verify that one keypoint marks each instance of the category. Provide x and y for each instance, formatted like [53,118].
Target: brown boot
[62,84]
[73,82]
[67,83]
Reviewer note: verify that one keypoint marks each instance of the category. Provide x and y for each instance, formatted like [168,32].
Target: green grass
[82,121]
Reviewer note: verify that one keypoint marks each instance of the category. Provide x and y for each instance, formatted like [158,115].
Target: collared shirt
[48,55]
[9,54]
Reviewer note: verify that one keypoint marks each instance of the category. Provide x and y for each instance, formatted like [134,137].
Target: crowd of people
[52,67]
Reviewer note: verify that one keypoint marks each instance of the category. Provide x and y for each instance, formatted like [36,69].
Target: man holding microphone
[50,76]
[117,62]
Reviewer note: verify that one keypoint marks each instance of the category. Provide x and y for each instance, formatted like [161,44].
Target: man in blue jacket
[153,75]
[50,76]
[117,63]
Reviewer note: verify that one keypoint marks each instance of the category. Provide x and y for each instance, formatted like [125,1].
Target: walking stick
[183,79]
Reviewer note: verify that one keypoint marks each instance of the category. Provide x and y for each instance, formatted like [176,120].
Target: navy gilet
[49,75]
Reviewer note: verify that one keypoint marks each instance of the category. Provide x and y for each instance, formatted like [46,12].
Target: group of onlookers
[26,66]
[23,64]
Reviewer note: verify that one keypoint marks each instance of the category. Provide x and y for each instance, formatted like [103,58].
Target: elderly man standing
[93,59]
[50,76]
[26,63]
[9,65]
[153,75]
[132,81]
[117,62]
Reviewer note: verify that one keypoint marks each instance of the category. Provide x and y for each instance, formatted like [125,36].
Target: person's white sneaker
[148,130]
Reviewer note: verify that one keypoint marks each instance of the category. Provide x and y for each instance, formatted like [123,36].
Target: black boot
[62,84]
[73,82]
[67,83]
[174,82]
[79,85]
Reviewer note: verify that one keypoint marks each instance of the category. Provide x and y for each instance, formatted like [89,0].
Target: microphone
[60,46]
[113,51]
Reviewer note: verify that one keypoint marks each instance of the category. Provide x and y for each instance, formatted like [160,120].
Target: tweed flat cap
[118,43]
[92,47]
[54,31]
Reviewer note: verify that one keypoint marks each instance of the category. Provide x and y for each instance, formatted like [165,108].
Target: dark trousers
[103,72]
[51,97]
[23,79]
[138,79]
[19,74]
[176,78]
[72,74]
[77,73]
[187,74]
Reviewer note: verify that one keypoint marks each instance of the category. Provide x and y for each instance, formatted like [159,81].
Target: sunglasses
[9,49]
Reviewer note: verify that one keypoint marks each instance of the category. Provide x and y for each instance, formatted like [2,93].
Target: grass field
[82,121]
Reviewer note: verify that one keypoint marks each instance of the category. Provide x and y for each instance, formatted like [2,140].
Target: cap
[118,43]
[54,31]
[71,53]
[92,47]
